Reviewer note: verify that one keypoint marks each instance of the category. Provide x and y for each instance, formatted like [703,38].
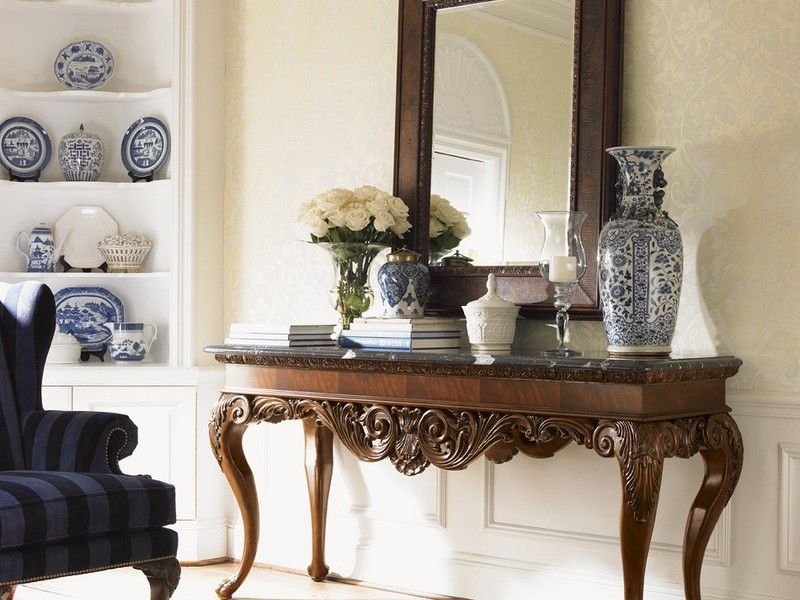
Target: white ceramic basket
[124,253]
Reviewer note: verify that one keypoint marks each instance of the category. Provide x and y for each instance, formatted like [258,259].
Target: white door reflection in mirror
[503,82]
[469,180]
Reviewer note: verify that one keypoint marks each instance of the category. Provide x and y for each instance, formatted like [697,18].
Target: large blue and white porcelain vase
[640,258]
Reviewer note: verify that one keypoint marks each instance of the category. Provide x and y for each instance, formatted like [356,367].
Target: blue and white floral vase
[640,258]
[404,283]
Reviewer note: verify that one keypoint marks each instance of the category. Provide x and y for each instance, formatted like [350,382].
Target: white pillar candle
[563,269]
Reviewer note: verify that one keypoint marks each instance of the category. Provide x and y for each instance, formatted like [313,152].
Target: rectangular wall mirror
[505,108]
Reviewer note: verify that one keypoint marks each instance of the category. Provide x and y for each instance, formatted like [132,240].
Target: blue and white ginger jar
[404,283]
[81,155]
[640,258]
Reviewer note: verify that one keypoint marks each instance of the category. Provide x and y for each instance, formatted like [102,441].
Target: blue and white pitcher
[40,249]
[131,342]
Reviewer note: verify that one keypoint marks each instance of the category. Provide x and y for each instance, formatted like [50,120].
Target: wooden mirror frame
[596,109]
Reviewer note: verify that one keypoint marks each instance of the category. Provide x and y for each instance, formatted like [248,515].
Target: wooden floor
[198,583]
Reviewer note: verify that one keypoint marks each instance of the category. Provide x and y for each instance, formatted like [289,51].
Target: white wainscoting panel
[789,517]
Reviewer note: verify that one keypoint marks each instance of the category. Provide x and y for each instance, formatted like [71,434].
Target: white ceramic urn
[491,322]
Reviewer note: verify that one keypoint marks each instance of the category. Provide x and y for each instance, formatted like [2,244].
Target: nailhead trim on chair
[83,571]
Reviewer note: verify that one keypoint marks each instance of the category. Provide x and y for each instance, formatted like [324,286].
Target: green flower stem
[351,295]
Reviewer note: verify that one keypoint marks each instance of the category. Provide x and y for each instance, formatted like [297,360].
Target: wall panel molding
[789,509]
[717,552]
[775,405]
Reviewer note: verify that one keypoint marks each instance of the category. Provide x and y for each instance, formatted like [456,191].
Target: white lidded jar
[491,321]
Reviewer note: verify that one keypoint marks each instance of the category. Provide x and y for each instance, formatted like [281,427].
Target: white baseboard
[202,540]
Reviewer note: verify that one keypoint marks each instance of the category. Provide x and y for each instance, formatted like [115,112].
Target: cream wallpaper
[310,105]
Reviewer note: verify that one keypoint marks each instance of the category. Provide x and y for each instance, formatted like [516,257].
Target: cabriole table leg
[723,453]
[319,468]
[229,421]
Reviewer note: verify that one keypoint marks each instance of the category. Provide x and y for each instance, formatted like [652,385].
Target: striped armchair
[65,506]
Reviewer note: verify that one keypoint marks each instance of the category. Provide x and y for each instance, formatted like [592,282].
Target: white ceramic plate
[78,232]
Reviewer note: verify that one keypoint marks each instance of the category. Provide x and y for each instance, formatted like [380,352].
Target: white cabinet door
[57,397]
[165,416]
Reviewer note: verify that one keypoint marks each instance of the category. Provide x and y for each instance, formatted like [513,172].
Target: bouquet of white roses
[354,226]
[448,226]
[363,215]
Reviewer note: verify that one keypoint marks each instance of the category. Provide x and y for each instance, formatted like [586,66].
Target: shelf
[45,277]
[86,96]
[87,186]
[110,373]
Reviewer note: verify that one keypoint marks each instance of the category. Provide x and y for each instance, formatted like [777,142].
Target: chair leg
[7,592]
[163,575]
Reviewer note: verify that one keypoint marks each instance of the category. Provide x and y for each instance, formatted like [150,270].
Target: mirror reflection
[502,114]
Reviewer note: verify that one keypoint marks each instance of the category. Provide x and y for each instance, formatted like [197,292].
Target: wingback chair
[65,506]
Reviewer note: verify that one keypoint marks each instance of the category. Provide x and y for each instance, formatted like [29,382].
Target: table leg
[319,468]
[722,453]
[229,421]
[639,450]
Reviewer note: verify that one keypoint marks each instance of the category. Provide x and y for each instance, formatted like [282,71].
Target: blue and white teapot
[40,249]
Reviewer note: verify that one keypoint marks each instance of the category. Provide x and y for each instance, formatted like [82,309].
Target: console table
[447,410]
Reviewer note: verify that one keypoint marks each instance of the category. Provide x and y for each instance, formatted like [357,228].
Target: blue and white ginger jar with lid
[404,283]
[640,258]
[81,155]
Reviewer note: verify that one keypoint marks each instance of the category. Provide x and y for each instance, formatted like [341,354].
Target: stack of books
[423,334]
[263,334]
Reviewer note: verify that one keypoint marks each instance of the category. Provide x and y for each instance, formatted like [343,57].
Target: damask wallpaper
[310,106]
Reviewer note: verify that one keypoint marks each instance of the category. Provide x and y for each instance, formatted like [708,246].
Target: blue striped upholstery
[83,555]
[56,440]
[38,507]
[65,506]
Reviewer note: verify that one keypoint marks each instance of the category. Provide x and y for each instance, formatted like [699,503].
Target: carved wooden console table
[447,410]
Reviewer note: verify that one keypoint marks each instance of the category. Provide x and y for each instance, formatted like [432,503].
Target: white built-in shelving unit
[169,64]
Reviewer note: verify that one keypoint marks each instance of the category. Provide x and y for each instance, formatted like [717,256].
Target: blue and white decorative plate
[145,146]
[84,311]
[24,146]
[84,65]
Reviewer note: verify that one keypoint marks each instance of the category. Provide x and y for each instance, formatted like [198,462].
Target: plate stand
[16,177]
[87,354]
[135,178]
[68,267]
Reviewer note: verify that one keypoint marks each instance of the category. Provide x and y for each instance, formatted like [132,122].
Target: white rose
[334,199]
[383,220]
[356,217]
[461,230]
[318,226]
[400,227]
[449,215]
[398,208]
[365,193]
[337,218]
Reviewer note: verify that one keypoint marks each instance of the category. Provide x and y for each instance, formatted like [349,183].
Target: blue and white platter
[84,65]
[145,146]
[84,311]
[24,146]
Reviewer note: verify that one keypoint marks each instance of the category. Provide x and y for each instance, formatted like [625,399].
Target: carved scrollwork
[722,433]
[642,447]
[233,408]
[415,437]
